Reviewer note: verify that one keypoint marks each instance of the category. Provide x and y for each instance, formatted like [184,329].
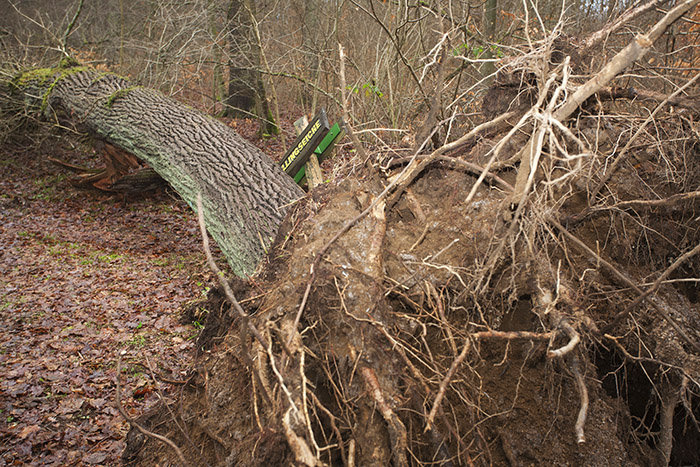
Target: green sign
[324,149]
[309,139]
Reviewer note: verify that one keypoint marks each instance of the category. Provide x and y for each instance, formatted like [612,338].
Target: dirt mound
[396,300]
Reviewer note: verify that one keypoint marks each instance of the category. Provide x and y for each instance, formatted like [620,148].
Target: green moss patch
[118,94]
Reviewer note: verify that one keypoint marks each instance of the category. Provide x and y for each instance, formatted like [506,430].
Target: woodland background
[88,275]
[186,49]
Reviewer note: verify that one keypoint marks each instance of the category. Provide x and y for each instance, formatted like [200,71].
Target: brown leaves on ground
[84,275]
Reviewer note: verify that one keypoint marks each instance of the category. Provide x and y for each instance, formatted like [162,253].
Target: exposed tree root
[396,428]
[624,279]
[583,393]
[669,399]
[419,319]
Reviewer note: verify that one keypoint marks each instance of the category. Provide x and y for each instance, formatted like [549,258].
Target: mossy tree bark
[245,194]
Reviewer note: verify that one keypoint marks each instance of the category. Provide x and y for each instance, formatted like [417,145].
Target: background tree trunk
[218,78]
[244,192]
[490,17]
[310,45]
[246,91]
[241,90]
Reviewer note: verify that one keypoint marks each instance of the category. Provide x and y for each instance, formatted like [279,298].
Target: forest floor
[89,279]
[85,276]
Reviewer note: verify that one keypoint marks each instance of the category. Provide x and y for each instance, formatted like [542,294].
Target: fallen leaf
[28,430]
[70,404]
[95,458]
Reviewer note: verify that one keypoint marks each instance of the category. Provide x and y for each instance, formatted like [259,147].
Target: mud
[396,296]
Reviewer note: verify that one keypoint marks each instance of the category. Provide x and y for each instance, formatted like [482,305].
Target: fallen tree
[479,318]
[245,194]
[442,317]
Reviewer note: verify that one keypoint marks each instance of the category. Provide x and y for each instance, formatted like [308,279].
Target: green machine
[317,138]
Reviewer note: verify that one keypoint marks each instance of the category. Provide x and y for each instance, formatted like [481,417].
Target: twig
[643,203]
[69,29]
[513,335]
[633,52]
[629,15]
[469,166]
[496,152]
[430,125]
[346,116]
[334,426]
[445,381]
[443,318]
[420,238]
[306,82]
[418,163]
[304,403]
[133,423]
[633,358]
[641,95]
[399,51]
[220,276]
[531,152]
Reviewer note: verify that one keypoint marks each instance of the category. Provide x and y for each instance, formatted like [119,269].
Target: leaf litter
[83,276]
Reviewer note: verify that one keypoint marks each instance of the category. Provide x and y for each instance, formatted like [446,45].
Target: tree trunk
[241,85]
[218,80]
[244,193]
[246,91]
[310,33]
[490,16]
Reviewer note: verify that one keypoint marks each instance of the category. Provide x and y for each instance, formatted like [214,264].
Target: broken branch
[629,15]
[633,52]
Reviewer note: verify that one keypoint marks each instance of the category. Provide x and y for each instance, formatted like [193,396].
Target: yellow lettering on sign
[305,140]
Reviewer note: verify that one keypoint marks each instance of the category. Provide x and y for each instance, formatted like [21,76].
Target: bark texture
[244,192]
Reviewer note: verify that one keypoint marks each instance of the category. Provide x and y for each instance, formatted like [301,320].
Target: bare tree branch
[625,18]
